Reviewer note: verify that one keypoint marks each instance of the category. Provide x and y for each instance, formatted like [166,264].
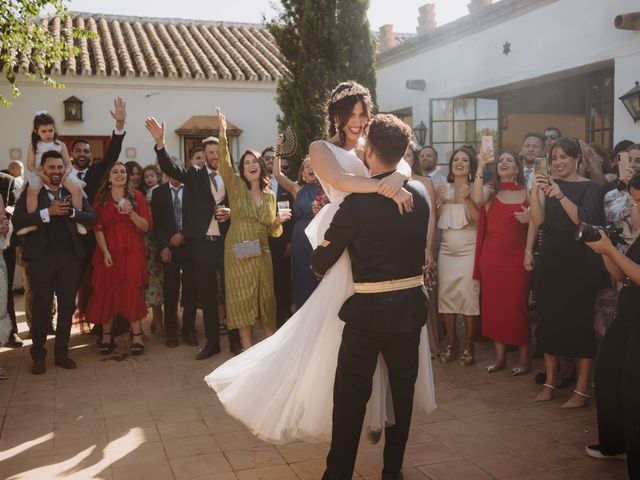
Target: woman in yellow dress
[247,258]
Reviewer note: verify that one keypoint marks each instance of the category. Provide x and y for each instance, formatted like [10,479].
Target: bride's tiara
[351,91]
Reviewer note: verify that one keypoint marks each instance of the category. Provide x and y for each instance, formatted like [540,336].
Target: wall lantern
[420,131]
[631,100]
[73,108]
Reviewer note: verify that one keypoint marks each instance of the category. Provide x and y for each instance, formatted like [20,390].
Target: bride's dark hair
[339,105]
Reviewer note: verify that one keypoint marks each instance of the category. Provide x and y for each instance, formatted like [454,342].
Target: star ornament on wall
[506,48]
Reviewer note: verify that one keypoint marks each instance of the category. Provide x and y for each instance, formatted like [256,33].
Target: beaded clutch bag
[247,249]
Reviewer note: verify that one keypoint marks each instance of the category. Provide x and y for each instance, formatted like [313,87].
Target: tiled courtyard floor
[152,417]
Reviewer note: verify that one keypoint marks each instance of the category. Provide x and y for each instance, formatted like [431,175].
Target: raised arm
[232,181]
[477,188]
[98,170]
[285,182]
[156,130]
[326,166]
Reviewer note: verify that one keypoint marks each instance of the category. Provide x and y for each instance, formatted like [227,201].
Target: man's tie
[81,175]
[212,176]
[177,207]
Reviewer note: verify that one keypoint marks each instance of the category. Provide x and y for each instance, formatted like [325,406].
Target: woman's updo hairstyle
[340,104]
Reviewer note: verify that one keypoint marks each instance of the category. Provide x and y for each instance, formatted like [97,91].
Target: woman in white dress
[282,387]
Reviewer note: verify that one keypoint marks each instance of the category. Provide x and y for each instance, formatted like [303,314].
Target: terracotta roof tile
[134,46]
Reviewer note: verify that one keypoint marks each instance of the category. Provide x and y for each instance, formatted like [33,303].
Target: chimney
[427,18]
[387,38]
[476,5]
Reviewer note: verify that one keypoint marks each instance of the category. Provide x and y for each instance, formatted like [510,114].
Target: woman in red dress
[119,262]
[500,258]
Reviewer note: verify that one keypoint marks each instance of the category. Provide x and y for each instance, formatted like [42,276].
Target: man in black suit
[389,307]
[205,224]
[168,203]
[54,252]
[280,246]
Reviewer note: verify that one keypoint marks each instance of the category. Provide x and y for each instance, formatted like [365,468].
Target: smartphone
[541,166]
[487,143]
[623,162]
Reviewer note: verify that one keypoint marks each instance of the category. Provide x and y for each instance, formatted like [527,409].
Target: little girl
[44,138]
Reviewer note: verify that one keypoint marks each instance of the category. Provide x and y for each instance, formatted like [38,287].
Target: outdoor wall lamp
[73,108]
[631,101]
[420,131]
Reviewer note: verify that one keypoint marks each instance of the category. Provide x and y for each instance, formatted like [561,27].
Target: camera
[591,233]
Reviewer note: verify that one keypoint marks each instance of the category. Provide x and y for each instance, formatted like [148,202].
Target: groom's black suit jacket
[383,245]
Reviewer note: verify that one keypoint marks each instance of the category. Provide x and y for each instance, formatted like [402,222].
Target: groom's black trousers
[357,361]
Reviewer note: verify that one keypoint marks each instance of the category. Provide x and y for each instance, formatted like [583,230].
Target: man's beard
[81,164]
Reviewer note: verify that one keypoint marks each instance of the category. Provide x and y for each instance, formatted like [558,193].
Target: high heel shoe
[450,352]
[105,348]
[136,348]
[467,359]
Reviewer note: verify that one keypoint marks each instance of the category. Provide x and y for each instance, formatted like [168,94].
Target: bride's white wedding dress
[282,387]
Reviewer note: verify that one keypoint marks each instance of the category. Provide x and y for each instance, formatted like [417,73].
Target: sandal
[466,359]
[495,367]
[579,400]
[136,348]
[519,371]
[106,348]
[449,353]
[543,398]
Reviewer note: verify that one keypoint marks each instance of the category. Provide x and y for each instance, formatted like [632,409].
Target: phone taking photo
[623,162]
[541,166]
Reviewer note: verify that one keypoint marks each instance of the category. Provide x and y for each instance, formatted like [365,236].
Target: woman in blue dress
[304,193]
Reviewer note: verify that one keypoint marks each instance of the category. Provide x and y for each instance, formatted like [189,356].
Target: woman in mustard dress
[247,258]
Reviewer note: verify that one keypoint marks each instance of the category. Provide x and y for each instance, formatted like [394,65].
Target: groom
[388,309]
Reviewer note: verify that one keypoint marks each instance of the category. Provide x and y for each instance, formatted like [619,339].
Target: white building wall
[250,106]
[562,35]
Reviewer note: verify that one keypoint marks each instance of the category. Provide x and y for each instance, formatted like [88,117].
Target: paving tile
[504,465]
[301,452]
[432,452]
[256,457]
[282,472]
[456,470]
[237,441]
[188,414]
[189,467]
[160,470]
[185,447]
[182,430]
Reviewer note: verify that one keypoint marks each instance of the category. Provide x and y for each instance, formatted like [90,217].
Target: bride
[282,387]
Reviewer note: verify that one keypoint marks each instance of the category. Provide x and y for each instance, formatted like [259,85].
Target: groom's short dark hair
[388,136]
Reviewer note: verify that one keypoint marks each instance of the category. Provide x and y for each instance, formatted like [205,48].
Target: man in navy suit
[55,253]
[168,203]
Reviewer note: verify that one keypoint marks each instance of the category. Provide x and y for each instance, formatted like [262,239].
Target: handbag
[247,249]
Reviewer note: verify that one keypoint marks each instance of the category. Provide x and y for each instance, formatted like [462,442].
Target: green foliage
[25,35]
[323,42]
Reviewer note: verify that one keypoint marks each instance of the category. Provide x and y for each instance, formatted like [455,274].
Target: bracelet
[528,251]
[560,197]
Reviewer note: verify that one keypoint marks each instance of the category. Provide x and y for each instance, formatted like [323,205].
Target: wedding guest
[428,158]
[8,194]
[249,274]
[92,173]
[500,256]
[617,371]
[281,247]
[168,203]
[54,252]
[152,176]
[412,158]
[596,165]
[134,172]
[567,273]
[205,227]
[304,193]
[551,134]
[532,148]
[459,293]
[119,264]
[196,158]
[6,323]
